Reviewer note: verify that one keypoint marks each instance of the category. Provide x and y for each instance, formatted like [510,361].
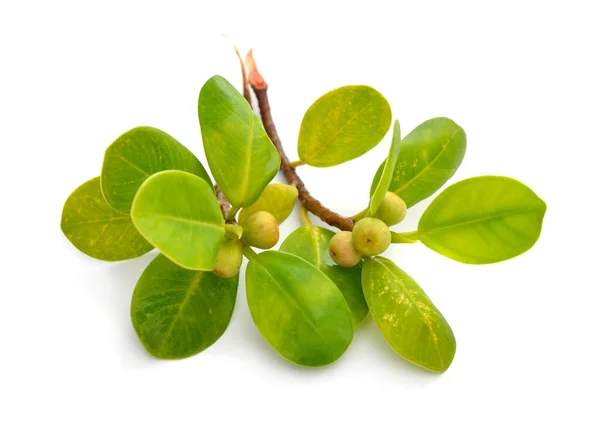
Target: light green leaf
[298,309]
[409,321]
[277,199]
[386,176]
[179,214]
[241,156]
[177,313]
[98,230]
[136,155]
[482,220]
[312,244]
[429,155]
[343,125]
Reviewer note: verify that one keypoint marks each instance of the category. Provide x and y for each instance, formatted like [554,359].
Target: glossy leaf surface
[430,154]
[485,219]
[387,173]
[136,155]
[98,230]
[298,309]
[312,244]
[342,125]
[241,156]
[277,199]
[178,213]
[406,317]
[177,313]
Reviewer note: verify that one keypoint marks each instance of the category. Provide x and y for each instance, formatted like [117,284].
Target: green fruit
[392,210]
[371,236]
[229,259]
[342,250]
[261,230]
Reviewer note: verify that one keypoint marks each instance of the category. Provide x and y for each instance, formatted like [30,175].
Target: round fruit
[261,230]
[371,236]
[342,250]
[229,258]
[392,209]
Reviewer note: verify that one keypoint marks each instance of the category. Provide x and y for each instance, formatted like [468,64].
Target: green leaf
[98,230]
[409,321]
[298,309]
[241,156]
[179,214]
[386,177]
[429,155]
[343,125]
[177,313]
[482,220]
[277,199]
[312,244]
[136,155]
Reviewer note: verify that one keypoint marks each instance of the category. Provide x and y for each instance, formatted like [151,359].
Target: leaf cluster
[153,193]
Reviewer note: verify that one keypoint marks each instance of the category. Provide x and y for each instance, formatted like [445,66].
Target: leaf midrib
[324,145]
[182,220]
[294,302]
[414,305]
[193,285]
[428,165]
[479,220]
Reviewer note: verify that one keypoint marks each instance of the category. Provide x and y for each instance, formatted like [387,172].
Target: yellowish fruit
[371,236]
[342,250]
[261,230]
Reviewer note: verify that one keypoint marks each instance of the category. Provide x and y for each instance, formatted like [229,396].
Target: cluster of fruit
[370,236]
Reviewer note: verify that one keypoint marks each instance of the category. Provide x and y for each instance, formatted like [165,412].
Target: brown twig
[260,86]
[223,203]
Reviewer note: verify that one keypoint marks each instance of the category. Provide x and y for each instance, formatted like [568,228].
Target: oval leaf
[277,199]
[430,154]
[298,309]
[342,125]
[386,176]
[136,155]
[481,220]
[241,156]
[98,230]
[178,213]
[177,313]
[312,244]
[409,321]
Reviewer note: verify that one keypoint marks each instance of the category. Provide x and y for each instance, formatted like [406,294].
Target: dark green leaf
[177,313]
[241,156]
[409,321]
[298,309]
[179,214]
[98,230]
[135,156]
[312,244]
[485,219]
[429,155]
[342,125]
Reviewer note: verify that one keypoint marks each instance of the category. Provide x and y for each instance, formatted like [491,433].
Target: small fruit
[261,230]
[342,250]
[392,210]
[371,236]
[229,258]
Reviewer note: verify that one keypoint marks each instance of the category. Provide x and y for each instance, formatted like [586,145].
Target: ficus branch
[313,205]
[224,205]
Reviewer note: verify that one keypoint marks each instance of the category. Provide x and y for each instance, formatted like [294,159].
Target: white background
[522,78]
